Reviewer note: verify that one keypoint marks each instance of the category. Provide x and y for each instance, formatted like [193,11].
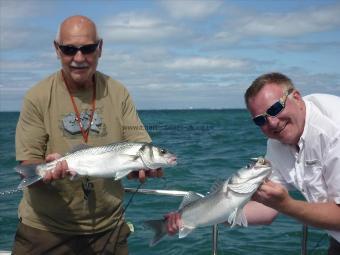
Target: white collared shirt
[314,169]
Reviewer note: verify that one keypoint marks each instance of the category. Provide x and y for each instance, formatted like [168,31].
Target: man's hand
[143,174]
[272,194]
[59,172]
[174,222]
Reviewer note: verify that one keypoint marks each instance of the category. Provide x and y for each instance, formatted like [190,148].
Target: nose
[272,121]
[79,57]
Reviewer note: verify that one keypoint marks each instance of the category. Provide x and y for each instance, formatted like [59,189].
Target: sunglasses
[272,111]
[71,50]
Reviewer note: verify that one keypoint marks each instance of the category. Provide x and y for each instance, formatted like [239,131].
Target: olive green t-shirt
[47,124]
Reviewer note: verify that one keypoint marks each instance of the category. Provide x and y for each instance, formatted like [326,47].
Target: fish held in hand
[110,161]
[224,204]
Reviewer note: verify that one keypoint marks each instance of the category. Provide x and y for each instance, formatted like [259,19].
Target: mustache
[79,65]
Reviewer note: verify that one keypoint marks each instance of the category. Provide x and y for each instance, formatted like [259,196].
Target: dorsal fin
[189,198]
[79,147]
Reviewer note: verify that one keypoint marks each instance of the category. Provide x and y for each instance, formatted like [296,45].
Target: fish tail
[29,174]
[159,228]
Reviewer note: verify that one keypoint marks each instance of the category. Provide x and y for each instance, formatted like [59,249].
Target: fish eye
[162,151]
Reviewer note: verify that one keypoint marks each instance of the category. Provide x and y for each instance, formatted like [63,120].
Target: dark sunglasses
[272,111]
[71,50]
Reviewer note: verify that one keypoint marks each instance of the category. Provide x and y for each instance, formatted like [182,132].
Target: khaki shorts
[33,241]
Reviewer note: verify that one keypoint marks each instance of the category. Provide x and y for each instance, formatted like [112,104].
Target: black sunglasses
[272,111]
[71,50]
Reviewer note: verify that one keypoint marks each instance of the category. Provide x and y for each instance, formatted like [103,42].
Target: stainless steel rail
[160,192]
[179,193]
[304,239]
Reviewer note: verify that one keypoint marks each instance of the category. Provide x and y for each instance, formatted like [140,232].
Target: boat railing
[179,193]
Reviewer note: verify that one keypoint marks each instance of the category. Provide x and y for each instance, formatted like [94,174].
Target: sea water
[210,146]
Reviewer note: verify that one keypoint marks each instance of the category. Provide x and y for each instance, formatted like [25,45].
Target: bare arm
[322,215]
[259,214]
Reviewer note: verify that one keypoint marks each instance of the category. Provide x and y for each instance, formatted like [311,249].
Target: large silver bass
[114,160]
[223,204]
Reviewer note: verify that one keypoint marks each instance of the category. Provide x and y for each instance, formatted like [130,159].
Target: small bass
[223,204]
[110,161]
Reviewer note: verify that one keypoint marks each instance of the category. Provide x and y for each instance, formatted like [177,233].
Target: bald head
[77,26]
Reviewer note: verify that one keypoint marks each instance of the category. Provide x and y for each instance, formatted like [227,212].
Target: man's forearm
[321,215]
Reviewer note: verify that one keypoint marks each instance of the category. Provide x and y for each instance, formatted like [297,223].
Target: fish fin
[79,147]
[27,170]
[28,181]
[29,173]
[184,231]
[159,229]
[243,188]
[237,217]
[121,174]
[189,198]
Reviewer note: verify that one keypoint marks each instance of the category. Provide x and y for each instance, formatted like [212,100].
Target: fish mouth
[263,172]
[172,161]
[261,162]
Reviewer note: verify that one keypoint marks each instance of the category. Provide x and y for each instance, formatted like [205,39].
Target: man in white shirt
[304,150]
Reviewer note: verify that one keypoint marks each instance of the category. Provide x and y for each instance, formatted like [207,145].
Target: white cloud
[16,26]
[139,27]
[200,63]
[294,24]
[33,62]
[12,9]
[290,24]
[195,9]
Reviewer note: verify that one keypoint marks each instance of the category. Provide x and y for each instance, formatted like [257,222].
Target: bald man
[75,105]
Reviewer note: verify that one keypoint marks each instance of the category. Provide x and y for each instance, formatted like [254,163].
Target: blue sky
[179,54]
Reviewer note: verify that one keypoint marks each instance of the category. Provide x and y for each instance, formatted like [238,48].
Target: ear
[56,49]
[100,47]
[296,95]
